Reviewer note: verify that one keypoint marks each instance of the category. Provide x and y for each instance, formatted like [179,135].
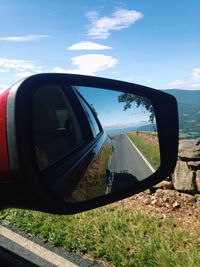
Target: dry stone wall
[186,176]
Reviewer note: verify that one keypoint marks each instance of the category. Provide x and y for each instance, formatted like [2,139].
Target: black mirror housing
[39,188]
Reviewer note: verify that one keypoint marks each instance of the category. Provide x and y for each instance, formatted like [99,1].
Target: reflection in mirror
[69,119]
[130,152]
[56,128]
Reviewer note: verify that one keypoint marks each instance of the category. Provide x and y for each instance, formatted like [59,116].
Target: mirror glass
[130,153]
[121,126]
[56,126]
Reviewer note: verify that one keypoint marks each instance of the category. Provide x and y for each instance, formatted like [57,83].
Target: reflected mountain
[148,127]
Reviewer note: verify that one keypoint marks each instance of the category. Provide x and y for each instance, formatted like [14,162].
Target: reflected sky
[110,111]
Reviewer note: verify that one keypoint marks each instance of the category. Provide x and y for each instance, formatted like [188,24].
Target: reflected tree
[93,109]
[128,99]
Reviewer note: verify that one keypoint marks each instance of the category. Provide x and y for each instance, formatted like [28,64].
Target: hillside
[189,112]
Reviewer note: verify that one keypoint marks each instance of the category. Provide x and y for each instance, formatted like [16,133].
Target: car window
[55,126]
[91,118]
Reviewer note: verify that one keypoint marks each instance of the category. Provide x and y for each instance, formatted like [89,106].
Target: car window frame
[79,96]
[55,171]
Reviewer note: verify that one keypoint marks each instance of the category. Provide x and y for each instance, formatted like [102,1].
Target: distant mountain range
[189,115]
[189,112]
[148,127]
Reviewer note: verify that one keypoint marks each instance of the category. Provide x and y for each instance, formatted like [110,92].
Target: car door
[66,130]
[97,178]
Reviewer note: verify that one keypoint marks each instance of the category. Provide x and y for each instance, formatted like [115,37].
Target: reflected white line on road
[142,156]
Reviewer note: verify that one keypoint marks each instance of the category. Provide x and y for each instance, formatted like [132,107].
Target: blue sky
[110,112]
[154,43]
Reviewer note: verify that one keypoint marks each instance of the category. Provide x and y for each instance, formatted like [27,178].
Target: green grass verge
[121,237]
[151,153]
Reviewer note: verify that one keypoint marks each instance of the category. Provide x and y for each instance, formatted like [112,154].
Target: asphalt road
[128,163]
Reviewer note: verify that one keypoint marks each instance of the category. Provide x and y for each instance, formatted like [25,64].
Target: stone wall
[186,177]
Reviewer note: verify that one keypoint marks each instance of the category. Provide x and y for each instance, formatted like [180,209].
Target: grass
[150,151]
[120,237]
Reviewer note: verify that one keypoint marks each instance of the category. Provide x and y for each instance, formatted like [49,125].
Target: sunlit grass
[120,237]
[150,151]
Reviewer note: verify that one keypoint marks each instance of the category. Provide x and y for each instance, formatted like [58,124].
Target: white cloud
[100,27]
[25,38]
[24,74]
[3,70]
[18,65]
[196,74]
[3,87]
[193,82]
[89,64]
[59,70]
[88,46]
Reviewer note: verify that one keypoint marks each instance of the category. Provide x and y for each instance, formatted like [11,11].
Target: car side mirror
[72,142]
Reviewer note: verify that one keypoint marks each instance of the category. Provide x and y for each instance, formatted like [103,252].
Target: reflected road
[126,159]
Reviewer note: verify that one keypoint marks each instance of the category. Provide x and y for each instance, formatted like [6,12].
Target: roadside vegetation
[150,151]
[120,237]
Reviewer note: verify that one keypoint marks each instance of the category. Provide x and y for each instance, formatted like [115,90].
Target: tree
[94,110]
[140,101]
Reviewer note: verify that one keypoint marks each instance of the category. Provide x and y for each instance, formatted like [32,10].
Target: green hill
[189,112]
